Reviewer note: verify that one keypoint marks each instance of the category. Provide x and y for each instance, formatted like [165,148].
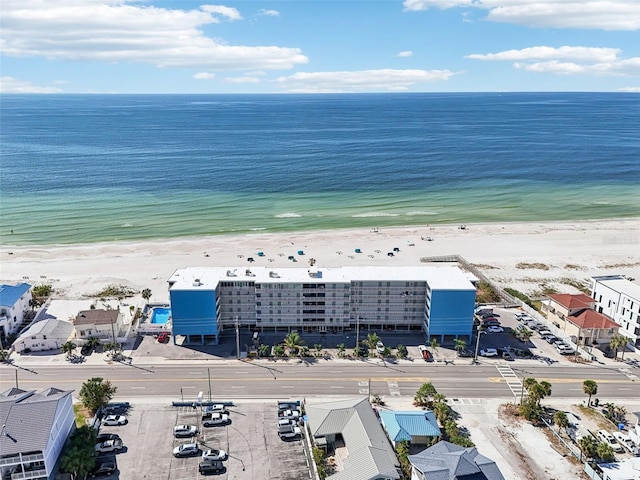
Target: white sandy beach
[575,250]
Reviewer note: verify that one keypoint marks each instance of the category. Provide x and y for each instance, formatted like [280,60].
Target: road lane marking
[138,388]
[336,386]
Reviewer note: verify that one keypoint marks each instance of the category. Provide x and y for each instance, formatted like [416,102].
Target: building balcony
[20,459]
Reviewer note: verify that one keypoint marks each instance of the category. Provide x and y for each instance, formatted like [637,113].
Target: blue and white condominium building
[437,300]
[619,298]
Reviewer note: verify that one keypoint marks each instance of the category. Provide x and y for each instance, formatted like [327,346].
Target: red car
[163,337]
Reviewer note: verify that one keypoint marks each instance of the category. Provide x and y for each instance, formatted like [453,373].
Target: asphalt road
[234,379]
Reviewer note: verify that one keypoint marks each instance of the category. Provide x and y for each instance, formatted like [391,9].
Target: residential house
[438,301]
[353,437]
[15,301]
[447,461]
[418,427]
[619,299]
[623,469]
[103,324]
[576,317]
[47,334]
[35,427]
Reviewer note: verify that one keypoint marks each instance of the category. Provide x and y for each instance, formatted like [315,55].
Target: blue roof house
[417,426]
[14,303]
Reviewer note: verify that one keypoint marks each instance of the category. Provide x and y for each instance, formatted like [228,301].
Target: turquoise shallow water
[78,169]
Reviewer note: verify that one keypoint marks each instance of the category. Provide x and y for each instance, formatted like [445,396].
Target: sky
[314,46]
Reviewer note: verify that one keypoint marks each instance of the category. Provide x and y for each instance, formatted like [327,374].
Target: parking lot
[251,440]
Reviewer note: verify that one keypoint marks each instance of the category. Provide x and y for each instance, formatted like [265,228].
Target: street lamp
[357,331]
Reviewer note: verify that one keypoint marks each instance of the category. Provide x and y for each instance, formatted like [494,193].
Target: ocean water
[88,168]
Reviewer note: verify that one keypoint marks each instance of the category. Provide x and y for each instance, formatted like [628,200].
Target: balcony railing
[18,459]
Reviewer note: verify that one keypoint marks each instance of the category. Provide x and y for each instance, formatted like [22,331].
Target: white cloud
[269,13]
[405,53]
[543,52]
[204,76]
[243,79]
[629,89]
[13,85]
[360,81]
[567,60]
[583,14]
[115,31]
[229,12]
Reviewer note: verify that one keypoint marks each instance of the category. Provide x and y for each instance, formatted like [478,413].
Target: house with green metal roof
[418,427]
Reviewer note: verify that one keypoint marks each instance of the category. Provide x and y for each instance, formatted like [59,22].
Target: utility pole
[237,339]
[16,378]
[209,377]
[358,332]
[475,356]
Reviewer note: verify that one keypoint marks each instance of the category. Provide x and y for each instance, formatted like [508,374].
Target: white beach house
[14,303]
[437,300]
[619,299]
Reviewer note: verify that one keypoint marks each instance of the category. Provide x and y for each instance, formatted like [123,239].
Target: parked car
[164,337]
[87,349]
[103,469]
[103,437]
[380,348]
[625,440]
[291,414]
[185,431]
[114,420]
[213,454]
[610,440]
[215,419]
[551,338]
[186,450]
[564,349]
[288,405]
[465,353]
[109,446]
[495,329]
[543,332]
[425,353]
[289,432]
[210,468]
[216,408]
[489,352]
[285,422]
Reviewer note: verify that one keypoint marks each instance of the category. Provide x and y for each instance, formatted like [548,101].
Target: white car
[495,329]
[489,352]
[289,414]
[186,450]
[211,455]
[114,420]
[184,431]
[216,408]
[380,348]
[624,440]
[610,440]
[564,349]
[109,446]
[215,419]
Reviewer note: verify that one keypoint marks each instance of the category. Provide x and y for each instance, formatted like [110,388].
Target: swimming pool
[160,315]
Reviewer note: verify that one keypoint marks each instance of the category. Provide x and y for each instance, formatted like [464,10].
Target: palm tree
[560,419]
[461,344]
[95,393]
[372,340]
[293,342]
[424,395]
[616,342]
[605,452]
[68,348]
[590,387]
[588,446]
[341,349]
[4,356]
[146,294]
[434,344]
[526,334]
[537,391]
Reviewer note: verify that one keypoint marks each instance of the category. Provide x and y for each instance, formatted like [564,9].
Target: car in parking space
[610,440]
[543,332]
[491,321]
[625,440]
[185,431]
[109,446]
[210,468]
[186,450]
[425,353]
[289,432]
[215,419]
[464,353]
[216,408]
[380,348]
[495,329]
[564,349]
[489,352]
[213,454]
[285,422]
[114,420]
[103,437]
[86,350]
[289,414]
[164,337]
[103,468]
[551,338]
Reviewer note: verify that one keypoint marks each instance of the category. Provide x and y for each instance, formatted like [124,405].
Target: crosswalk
[513,381]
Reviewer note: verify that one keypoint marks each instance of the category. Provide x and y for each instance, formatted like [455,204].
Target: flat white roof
[620,284]
[438,277]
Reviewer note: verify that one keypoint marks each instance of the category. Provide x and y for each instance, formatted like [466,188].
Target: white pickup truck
[289,431]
